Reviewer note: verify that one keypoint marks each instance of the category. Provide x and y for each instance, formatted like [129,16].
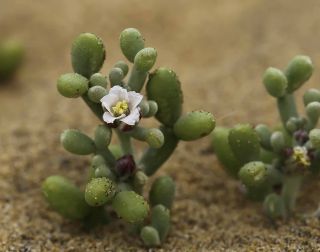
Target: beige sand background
[219,48]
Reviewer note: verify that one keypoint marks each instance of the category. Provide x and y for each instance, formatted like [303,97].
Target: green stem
[138,133]
[125,142]
[108,156]
[96,108]
[153,158]
[137,79]
[287,108]
[98,111]
[290,191]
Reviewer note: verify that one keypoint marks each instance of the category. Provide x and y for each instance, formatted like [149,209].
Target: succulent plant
[11,55]
[272,162]
[118,173]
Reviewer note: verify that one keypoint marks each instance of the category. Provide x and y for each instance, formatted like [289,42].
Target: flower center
[120,108]
[300,155]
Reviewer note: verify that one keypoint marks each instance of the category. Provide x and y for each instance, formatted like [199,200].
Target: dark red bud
[125,127]
[301,136]
[287,152]
[125,166]
[113,125]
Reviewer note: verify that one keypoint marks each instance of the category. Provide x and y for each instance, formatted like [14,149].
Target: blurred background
[219,49]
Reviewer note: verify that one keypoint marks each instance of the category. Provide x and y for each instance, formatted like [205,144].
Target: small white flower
[300,155]
[119,104]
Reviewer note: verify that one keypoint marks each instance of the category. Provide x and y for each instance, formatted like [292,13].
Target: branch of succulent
[272,163]
[118,173]
[11,55]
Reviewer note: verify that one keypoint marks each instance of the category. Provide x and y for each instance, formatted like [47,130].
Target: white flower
[300,155]
[119,104]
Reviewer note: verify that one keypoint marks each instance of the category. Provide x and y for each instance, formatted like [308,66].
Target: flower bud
[311,95]
[145,59]
[98,79]
[314,136]
[150,236]
[125,166]
[99,191]
[194,125]
[130,206]
[95,93]
[298,72]
[131,42]
[76,142]
[301,136]
[88,54]
[253,174]
[162,192]
[72,85]
[275,82]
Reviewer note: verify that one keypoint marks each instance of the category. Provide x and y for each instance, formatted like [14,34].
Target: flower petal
[108,101]
[134,99]
[108,118]
[132,118]
[120,92]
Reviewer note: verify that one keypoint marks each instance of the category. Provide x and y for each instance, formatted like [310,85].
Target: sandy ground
[219,48]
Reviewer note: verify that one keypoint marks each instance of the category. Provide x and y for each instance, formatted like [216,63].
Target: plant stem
[137,79]
[290,191]
[138,133]
[287,108]
[95,107]
[108,156]
[98,111]
[125,142]
[153,158]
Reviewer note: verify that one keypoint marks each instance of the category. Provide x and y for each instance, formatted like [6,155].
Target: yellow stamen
[120,108]
[300,155]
